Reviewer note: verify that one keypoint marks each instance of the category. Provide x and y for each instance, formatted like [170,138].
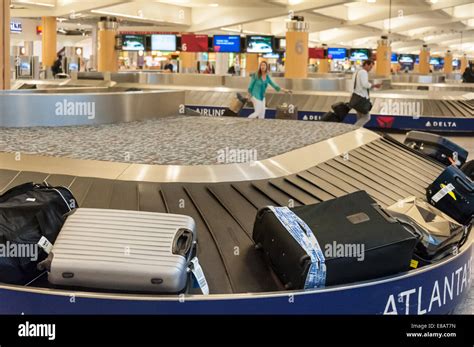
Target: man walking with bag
[360,99]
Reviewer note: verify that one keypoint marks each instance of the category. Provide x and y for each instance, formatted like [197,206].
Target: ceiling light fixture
[371,1]
[36,3]
[213,5]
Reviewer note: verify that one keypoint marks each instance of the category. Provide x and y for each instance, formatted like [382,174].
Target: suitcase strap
[316,277]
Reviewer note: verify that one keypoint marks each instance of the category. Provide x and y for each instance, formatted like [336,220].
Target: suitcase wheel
[258,246]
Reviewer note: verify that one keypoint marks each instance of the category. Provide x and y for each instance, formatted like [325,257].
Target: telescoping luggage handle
[183,244]
[316,277]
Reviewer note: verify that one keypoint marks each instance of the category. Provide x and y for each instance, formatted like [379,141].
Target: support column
[297,37]
[222,63]
[5,73]
[188,62]
[424,66]
[448,62]
[95,42]
[463,63]
[49,42]
[106,54]
[324,66]
[384,55]
[251,63]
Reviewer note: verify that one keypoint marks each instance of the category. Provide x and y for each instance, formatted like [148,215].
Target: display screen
[337,53]
[133,42]
[194,43]
[227,43]
[259,44]
[417,59]
[316,53]
[360,54]
[394,58]
[73,67]
[435,61]
[161,42]
[456,62]
[282,43]
[406,59]
[271,56]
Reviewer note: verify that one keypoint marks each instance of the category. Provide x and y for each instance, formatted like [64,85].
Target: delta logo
[440,124]
[385,121]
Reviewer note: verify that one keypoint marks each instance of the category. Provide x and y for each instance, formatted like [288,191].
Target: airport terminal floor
[174,158]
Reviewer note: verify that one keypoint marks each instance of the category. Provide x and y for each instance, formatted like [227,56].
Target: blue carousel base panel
[436,289]
[395,122]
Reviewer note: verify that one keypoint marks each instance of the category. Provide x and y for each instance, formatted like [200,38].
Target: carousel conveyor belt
[224,212]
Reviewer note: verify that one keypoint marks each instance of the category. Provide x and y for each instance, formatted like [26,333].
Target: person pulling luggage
[360,99]
[257,88]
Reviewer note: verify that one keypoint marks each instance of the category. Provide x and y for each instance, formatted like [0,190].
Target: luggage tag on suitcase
[196,269]
[441,193]
[300,231]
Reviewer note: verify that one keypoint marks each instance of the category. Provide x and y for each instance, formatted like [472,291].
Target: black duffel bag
[29,214]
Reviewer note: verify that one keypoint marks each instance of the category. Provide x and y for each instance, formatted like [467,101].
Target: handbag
[359,103]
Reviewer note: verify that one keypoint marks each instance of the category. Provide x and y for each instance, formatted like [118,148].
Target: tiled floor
[177,140]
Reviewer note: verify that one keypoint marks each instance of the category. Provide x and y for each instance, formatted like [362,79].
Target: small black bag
[28,213]
[359,103]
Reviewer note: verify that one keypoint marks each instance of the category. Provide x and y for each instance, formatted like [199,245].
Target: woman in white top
[361,88]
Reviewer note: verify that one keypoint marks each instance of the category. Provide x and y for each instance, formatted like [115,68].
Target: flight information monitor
[227,43]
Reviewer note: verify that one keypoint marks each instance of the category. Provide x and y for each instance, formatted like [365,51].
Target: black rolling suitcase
[338,113]
[354,240]
[468,169]
[437,147]
[31,216]
[453,193]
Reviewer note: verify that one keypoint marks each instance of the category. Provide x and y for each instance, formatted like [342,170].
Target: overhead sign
[16,27]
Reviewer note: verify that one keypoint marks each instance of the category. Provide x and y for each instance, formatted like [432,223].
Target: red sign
[194,43]
[316,53]
[385,121]
[39,30]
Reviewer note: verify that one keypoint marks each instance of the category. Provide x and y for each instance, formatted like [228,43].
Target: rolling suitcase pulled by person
[236,105]
[339,112]
[31,216]
[452,192]
[287,110]
[338,241]
[439,235]
[126,250]
[436,147]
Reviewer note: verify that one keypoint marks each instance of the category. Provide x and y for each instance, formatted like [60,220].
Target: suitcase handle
[463,184]
[183,242]
[384,213]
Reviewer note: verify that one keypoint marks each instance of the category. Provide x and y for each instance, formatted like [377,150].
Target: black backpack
[30,213]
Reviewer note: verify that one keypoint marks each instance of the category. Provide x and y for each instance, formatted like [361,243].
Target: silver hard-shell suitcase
[125,250]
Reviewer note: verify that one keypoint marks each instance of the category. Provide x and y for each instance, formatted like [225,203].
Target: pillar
[384,55]
[297,37]
[251,65]
[448,62]
[49,41]
[324,66]
[424,65]
[5,73]
[106,53]
[188,62]
[95,42]
[222,63]
[463,63]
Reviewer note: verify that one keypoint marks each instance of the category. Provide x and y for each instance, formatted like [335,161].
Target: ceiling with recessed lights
[442,24]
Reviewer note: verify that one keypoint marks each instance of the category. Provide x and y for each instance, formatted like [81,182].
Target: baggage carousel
[223,198]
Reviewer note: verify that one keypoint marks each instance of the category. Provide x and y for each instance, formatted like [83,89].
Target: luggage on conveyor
[437,147]
[468,169]
[439,235]
[453,193]
[287,110]
[339,112]
[126,250]
[236,105]
[31,216]
[338,241]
